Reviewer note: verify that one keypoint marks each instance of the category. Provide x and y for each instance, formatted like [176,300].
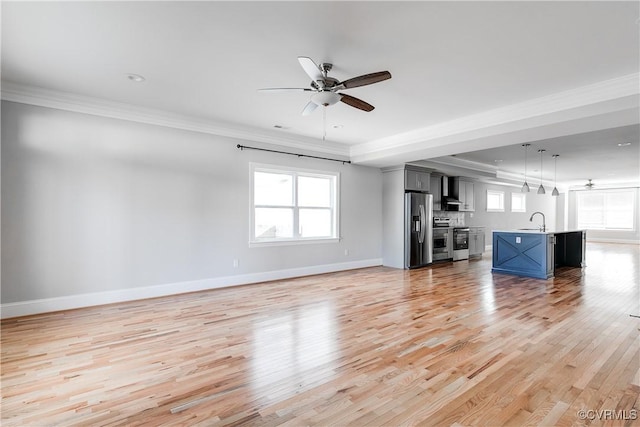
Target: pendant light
[525,186]
[541,188]
[555,191]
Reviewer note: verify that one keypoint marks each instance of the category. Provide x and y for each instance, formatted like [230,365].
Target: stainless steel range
[442,239]
[460,243]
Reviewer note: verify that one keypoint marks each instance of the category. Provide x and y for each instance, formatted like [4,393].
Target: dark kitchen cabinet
[417,179]
[463,190]
[436,190]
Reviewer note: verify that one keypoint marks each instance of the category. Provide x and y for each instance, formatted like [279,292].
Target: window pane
[313,191]
[591,200]
[607,209]
[619,219]
[275,189]
[518,202]
[495,200]
[272,223]
[315,223]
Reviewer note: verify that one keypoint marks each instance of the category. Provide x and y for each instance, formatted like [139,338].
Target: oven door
[460,239]
[441,244]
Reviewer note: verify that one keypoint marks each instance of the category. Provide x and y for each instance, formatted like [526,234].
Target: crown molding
[116,110]
[610,95]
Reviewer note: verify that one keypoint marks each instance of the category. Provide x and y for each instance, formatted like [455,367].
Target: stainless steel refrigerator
[418,226]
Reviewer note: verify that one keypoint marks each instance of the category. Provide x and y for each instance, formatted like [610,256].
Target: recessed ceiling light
[498,160]
[136,78]
[338,126]
[624,144]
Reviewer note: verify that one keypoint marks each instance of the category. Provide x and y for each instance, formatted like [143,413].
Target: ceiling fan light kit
[325,98]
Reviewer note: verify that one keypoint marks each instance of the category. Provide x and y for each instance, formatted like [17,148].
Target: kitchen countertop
[527,231]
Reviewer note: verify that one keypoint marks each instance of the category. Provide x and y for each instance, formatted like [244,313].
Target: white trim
[291,242]
[584,108]
[25,308]
[500,194]
[603,91]
[518,195]
[608,240]
[295,173]
[99,107]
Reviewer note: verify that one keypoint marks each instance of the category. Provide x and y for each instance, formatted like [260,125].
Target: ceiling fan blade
[309,108]
[285,89]
[366,79]
[310,68]
[355,102]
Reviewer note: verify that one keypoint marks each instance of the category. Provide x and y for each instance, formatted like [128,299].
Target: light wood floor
[446,345]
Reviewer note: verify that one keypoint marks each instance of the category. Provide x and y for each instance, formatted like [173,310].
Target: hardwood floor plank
[450,344]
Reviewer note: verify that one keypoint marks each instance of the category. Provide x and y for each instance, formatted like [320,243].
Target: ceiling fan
[326,88]
[589,185]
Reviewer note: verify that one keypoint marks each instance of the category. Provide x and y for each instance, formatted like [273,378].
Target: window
[605,209]
[518,202]
[290,205]
[495,201]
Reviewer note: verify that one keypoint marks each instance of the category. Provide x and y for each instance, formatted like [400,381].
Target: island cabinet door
[523,254]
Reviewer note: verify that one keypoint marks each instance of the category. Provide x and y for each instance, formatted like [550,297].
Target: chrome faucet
[544,226]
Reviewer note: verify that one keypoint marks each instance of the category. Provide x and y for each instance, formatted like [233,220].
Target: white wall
[93,205]
[508,220]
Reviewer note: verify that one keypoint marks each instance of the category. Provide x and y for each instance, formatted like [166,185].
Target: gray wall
[393,218]
[92,204]
[508,220]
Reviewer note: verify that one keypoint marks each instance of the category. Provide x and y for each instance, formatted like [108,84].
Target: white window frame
[522,196]
[295,173]
[495,193]
[632,195]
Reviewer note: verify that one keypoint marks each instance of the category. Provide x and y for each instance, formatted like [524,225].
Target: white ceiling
[511,64]
[592,155]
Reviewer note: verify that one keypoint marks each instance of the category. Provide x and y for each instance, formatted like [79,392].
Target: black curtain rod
[242,147]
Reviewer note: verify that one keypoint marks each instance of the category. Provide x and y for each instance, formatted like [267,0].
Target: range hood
[450,203]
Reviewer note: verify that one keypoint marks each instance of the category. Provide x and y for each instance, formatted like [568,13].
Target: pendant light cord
[541,151]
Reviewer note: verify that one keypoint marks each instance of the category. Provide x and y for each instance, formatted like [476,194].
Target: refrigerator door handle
[423,226]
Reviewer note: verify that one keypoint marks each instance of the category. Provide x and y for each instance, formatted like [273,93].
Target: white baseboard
[607,240]
[25,308]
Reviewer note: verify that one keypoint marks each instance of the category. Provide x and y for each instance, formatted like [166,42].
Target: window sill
[292,242]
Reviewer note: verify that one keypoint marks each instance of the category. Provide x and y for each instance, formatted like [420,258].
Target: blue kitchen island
[533,253]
